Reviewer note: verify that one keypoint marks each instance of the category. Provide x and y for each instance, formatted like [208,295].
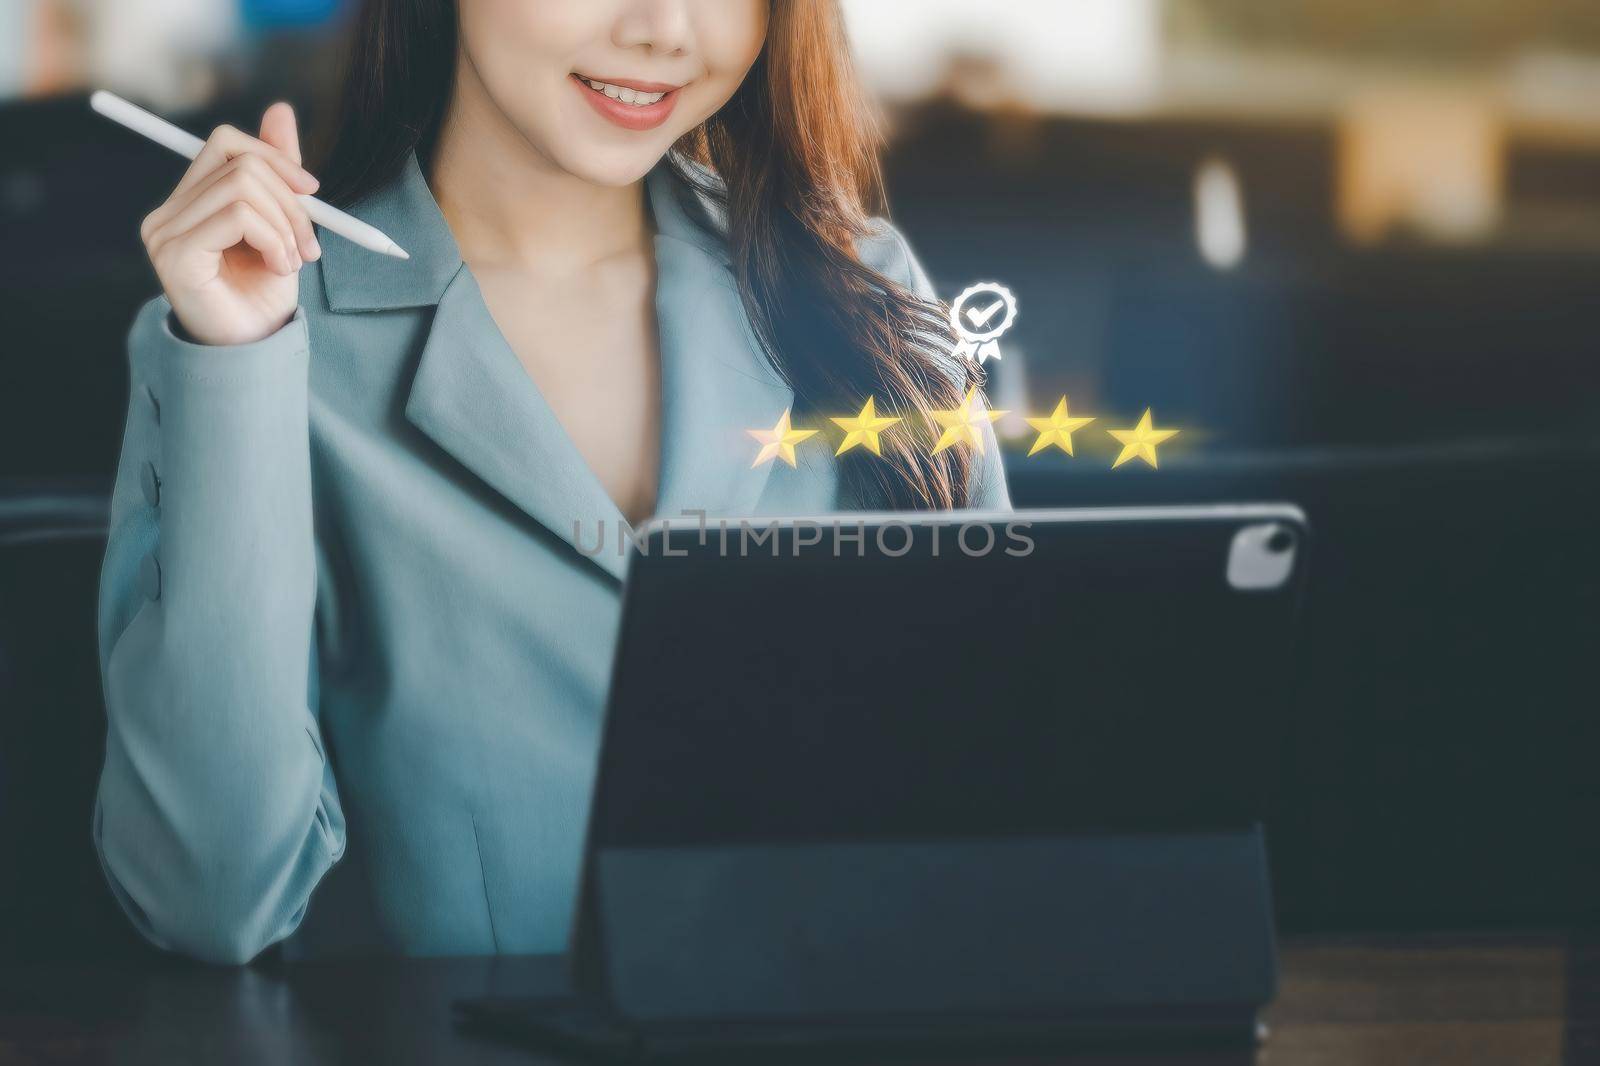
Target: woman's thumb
[278,129]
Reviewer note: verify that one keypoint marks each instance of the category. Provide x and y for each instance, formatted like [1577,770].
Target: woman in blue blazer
[354,628]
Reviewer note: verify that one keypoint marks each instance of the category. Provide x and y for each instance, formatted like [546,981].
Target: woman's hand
[228,243]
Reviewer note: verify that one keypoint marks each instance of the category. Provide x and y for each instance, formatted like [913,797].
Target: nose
[662,27]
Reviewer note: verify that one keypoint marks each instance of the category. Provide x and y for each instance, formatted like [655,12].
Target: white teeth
[621,93]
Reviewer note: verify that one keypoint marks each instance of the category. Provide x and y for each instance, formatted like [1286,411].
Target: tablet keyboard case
[1163,930]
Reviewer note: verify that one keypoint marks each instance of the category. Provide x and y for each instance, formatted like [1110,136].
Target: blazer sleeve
[216,813]
[989,491]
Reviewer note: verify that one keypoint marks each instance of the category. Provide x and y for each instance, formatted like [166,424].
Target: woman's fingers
[279,130]
[185,195]
[246,172]
[243,181]
[243,185]
[237,222]
[181,200]
[226,143]
[240,199]
[228,150]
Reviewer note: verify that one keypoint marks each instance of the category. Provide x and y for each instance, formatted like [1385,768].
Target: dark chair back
[54,902]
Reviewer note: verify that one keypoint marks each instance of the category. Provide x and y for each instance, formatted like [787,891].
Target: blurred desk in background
[1458,1001]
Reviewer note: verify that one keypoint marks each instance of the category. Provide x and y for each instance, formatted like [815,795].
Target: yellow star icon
[1140,441]
[779,441]
[1057,429]
[963,423]
[863,429]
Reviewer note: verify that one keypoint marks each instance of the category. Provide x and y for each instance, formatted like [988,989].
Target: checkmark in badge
[979,316]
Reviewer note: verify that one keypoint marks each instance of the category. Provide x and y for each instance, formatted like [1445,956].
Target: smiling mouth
[625,94]
[637,106]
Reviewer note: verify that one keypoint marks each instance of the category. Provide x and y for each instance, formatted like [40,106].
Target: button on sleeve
[150,483]
[150,577]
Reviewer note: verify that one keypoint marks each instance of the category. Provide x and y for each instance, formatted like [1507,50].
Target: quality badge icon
[980,315]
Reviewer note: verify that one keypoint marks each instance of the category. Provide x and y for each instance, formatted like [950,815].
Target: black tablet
[902,675]
[987,780]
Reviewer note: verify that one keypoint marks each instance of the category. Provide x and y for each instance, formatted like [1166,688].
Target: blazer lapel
[471,395]
[716,383]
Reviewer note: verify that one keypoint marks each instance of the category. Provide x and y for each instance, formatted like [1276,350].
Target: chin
[589,147]
[614,168]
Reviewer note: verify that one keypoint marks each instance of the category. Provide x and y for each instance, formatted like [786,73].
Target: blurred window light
[160,51]
[1219,214]
[1468,33]
[41,47]
[1418,159]
[16,24]
[1007,390]
[1096,55]
[1555,93]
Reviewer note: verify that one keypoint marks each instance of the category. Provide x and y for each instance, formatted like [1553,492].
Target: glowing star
[863,429]
[779,441]
[1140,441]
[963,424]
[1057,429]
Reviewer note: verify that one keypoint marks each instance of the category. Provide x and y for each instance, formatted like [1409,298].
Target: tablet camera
[1262,557]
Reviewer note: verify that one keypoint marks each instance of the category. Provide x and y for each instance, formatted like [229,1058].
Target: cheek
[523,42]
[730,35]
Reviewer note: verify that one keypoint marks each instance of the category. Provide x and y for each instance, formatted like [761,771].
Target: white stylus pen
[188,145]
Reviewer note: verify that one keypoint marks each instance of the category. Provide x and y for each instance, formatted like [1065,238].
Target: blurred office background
[1350,247]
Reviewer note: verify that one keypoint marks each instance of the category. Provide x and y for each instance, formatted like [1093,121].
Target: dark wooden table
[1503,1001]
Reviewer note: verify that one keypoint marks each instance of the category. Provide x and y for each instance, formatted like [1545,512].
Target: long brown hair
[796,154]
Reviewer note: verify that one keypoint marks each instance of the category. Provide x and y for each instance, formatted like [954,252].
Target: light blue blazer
[344,621]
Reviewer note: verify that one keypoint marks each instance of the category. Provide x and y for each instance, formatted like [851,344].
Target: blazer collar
[404,208]
[471,395]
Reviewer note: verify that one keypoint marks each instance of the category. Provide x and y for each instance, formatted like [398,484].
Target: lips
[618,111]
